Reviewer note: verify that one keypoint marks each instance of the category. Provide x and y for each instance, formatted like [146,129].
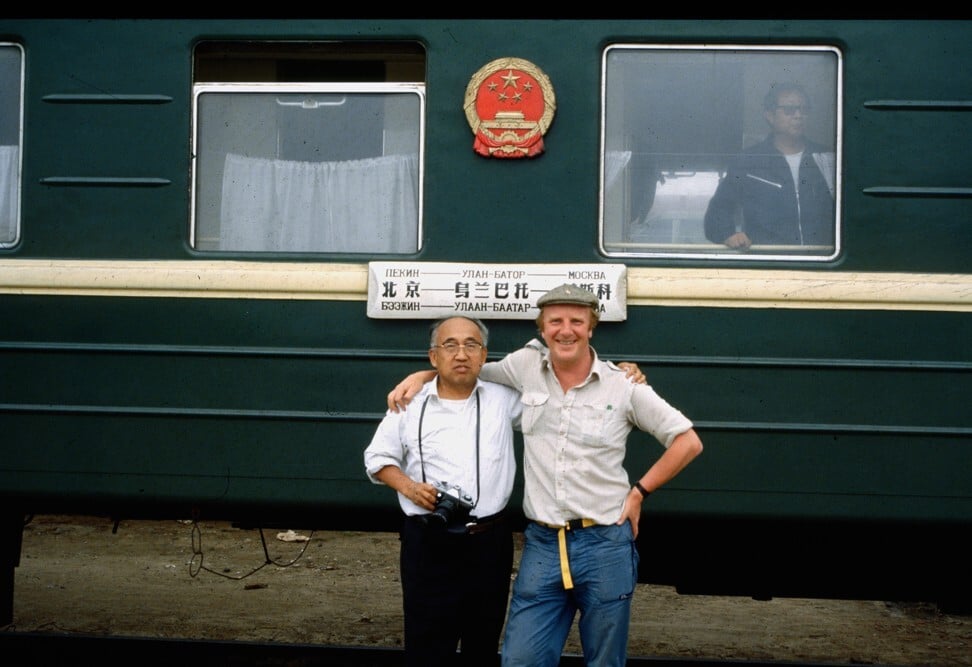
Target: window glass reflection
[723,152]
[281,171]
[308,147]
[11,82]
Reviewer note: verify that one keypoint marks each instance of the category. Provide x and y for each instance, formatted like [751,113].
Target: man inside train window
[681,123]
[781,190]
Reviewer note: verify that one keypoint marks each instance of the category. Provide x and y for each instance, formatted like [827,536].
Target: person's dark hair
[434,328]
[776,89]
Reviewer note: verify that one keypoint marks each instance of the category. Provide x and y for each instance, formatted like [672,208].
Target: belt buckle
[577,524]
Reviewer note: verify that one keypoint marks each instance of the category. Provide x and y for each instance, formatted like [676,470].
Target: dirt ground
[211,580]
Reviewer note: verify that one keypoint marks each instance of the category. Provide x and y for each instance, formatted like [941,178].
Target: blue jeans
[604,567]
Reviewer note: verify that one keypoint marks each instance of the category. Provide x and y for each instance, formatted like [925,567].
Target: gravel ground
[210,580]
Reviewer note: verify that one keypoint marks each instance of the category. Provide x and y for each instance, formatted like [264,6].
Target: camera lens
[445,508]
[451,511]
[438,518]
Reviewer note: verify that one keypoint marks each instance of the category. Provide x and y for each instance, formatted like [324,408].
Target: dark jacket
[759,182]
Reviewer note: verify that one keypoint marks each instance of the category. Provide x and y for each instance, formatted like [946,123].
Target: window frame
[18,188]
[305,67]
[719,253]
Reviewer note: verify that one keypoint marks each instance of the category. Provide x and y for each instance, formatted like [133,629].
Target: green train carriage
[184,334]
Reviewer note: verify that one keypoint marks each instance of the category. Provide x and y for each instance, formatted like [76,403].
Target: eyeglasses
[790,109]
[452,349]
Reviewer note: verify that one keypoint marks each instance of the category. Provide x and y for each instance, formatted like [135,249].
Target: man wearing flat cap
[571,294]
[579,553]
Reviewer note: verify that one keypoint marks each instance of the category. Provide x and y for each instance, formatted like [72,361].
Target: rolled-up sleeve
[653,414]
[385,448]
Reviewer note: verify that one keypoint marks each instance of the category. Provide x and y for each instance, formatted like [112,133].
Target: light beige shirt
[575,442]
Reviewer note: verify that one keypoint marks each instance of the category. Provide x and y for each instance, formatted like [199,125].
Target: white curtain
[9,193]
[615,162]
[368,205]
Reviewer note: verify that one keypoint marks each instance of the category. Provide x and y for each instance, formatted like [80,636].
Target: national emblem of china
[509,105]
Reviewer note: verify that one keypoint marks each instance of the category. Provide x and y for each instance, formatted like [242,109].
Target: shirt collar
[431,388]
[545,359]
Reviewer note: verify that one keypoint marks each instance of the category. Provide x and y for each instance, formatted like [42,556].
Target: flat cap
[567,293]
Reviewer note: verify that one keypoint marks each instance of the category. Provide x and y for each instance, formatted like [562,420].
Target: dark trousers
[455,589]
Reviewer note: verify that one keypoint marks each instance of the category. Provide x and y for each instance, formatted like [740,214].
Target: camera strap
[422,460]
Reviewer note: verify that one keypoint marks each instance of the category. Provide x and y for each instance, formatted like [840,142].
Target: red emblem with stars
[509,105]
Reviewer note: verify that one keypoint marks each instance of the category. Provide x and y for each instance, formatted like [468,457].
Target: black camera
[452,507]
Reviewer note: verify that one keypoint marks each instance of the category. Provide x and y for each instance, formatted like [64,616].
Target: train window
[724,152]
[11,133]
[308,148]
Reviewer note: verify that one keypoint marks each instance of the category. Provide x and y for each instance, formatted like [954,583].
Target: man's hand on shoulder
[403,393]
[632,372]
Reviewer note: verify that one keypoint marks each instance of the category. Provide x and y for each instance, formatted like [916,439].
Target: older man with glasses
[452,463]
[780,191]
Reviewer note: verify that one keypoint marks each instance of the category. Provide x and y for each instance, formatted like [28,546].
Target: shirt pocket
[601,424]
[534,403]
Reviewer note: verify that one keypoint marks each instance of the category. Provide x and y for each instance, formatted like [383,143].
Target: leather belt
[486,523]
[562,529]
[573,524]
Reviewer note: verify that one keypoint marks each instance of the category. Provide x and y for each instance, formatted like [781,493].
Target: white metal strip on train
[725,288]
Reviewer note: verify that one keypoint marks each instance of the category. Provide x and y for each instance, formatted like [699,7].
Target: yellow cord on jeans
[562,541]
